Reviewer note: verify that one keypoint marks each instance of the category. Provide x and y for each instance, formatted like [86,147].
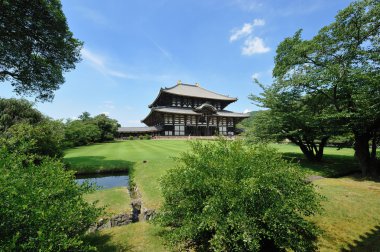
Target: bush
[79,133]
[14,111]
[226,196]
[45,138]
[131,138]
[147,137]
[141,137]
[42,207]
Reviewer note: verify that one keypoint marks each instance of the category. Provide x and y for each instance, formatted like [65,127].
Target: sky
[133,48]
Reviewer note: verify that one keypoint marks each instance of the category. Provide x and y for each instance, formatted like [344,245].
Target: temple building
[188,110]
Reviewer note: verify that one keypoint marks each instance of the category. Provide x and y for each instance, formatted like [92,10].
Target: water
[105,180]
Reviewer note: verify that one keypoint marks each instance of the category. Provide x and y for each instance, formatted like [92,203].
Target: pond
[105,180]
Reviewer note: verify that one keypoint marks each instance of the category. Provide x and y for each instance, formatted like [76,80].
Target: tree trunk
[321,147]
[309,154]
[362,153]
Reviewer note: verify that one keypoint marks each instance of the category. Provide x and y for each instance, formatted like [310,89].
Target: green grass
[115,200]
[335,162]
[351,219]
[120,155]
[136,237]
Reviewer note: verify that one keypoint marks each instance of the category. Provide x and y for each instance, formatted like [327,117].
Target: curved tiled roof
[196,91]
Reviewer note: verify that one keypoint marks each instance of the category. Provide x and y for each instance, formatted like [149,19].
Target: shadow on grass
[370,241]
[97,164]
[332,165]
[103,243]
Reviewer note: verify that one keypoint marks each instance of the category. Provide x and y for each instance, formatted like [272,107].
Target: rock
[148,214]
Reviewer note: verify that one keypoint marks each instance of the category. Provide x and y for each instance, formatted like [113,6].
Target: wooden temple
[188,110]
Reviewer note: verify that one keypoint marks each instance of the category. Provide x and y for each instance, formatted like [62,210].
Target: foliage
[131,138]
[225,196]
[107,127]
[341,63]
[42,207]
[36,46]
[141,137]
[147,137]
[45,138]
[13,111]
[89,129]
[294,116]
[79,133]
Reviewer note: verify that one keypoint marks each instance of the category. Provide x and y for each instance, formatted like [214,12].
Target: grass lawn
[136,237]
[351,219]
[120,155]
[116,200]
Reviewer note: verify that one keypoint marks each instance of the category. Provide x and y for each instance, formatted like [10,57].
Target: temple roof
[189,90]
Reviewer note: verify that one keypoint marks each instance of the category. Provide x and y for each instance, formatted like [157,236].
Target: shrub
[79,133]
[45,138]
[131,138]
[42,207]
[147,137]
[226,196]
[14,111]
[141,137]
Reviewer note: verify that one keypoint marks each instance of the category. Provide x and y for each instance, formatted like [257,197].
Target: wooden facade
[189,110]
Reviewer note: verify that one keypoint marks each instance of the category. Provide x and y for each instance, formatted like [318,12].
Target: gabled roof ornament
[197,84]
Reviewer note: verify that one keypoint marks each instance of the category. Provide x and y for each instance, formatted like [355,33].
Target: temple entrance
[204,131]
[201,130]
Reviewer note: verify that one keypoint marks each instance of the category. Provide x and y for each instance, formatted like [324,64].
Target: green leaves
[41,207]
[36,46]
[227,196]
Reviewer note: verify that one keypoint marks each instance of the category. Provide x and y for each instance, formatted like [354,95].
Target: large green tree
[14,111]
[227,196]
[36,46]
[294,116]
[341,63]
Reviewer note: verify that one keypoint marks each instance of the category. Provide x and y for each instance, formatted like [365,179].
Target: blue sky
[132,48]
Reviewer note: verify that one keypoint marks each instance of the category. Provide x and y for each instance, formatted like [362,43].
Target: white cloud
[254,45]
[92,15]
[255,76]
[99,63]
[247,111]
[246,30]
[248,5]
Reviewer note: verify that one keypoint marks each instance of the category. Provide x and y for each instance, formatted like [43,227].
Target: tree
[294,116]
[45,138]
[42,207]
[36,46]
[342,64]
[85,116]
[79,133]
[107,126]
[226,196]
[14,111]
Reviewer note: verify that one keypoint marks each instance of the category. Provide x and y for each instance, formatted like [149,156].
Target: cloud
[99,63]
[246,30]
[92,15]
[254,45]
[247,111]
[248,5]
[255,76]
